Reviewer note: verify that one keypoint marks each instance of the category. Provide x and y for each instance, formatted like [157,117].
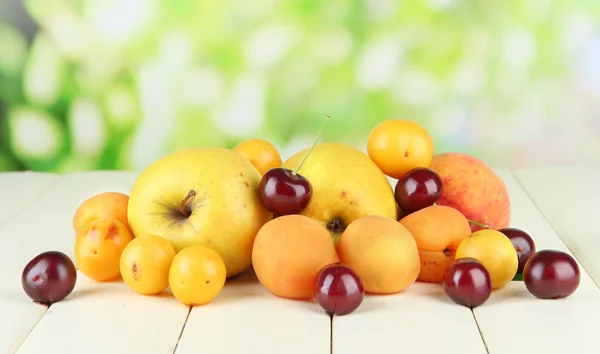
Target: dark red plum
[49,277]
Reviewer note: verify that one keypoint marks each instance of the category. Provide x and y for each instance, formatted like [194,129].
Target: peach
[288,253]
[474,189]
[106,205]
[437,230]
[382,252]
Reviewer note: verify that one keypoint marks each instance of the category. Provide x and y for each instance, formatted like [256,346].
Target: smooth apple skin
[226,211]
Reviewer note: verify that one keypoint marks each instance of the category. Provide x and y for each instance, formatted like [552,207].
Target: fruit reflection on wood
[324,225]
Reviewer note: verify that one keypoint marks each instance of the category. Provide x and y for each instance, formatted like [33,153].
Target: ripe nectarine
[438,230]
[288,253]
[382,252]
[474,189]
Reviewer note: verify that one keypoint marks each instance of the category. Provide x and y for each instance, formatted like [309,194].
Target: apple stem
[312,147]
[478,224]
[190,194]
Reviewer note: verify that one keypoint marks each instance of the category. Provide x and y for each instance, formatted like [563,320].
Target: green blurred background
[110,84]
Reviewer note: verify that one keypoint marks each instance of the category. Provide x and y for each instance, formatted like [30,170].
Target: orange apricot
[288,253]
[99,247]
[382,252]
[106,205]
[438,230]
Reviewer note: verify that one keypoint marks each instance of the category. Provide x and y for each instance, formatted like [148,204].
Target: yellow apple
[201,196]
[346,185]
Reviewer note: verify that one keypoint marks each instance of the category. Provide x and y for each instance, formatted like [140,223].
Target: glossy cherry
[338,289]
[551,274]
[523,244]
[283,191]
[418,189]
[467,282]
[49,277]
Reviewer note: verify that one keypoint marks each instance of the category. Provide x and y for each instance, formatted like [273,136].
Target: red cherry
[551,274]
[282,192]
[338,289]
[523,244]
[467,282]
[418,189]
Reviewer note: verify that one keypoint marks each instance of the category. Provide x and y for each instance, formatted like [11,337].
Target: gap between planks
[182,329]
[330,334]
[487,350]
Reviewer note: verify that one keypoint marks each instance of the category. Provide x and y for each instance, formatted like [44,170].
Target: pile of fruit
[325,224]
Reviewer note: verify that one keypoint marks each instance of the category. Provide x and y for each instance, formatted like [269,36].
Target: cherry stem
[182,210]
[478,224]
[474,222]
[312,147]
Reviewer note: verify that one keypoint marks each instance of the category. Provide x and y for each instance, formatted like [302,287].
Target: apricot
[99,247]
[261,153]
[382,252]
[474,189]
[197,275]
[437,230]
[145,264]
[288,253]
[106,205]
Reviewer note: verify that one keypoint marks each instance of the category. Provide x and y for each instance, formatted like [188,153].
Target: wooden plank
[568,196]
[420,320]
[246,318]
[18,189]
[513,321]
[96,318]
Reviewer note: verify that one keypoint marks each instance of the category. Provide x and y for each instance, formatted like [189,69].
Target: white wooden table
[557,206]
